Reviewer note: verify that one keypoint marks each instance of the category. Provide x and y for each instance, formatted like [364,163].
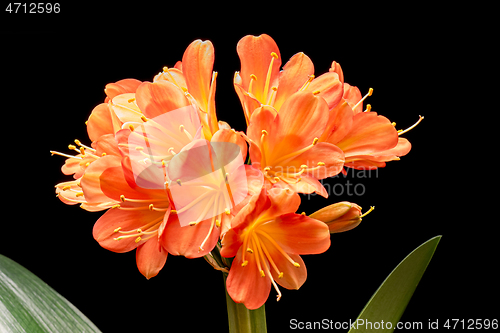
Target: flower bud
[339,217]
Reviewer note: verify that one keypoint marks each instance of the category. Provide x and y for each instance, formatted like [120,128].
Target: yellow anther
[173,211]
[315,141]
[72,147]
[131,127]
[274,88]
[67,187]
[244,263]
[321,163]
[103,154]
[131,100]
[122,198]
[303,213]
[262,274]
[165,68]
[115,206]
[193,223]
[316,92]
[253,77]
[79,194]
[274,55]
[296,264]
[368,212]
[144,119]
[82,151]
[217,223]
[393,123]
[277,179]
[139,148]
[139,231]
[280,276]
[78,142]
[87,164]
[264,132]
[138,239]
[151,207]
[227,211]
[370,91]
[368,108]
[179,182]
[249,250]
[117,229]
[267,169]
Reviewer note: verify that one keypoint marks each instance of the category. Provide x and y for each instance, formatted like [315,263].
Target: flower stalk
[241,319]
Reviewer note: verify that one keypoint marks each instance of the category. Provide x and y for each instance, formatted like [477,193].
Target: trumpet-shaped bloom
[260,82]
[285,145]
[195,77]
[367,139]
[266,239]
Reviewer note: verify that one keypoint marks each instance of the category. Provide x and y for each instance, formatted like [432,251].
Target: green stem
[242,320]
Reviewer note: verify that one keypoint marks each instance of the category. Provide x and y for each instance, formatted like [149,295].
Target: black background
[54,71]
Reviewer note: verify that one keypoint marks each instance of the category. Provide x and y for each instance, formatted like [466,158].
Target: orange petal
[246,285]
[298,234]
[329,87]
[224,135]
[293,76]
[255,57]
[104,228]
[339,123]
[300,120]
[369,134]
[90,182]
[121,87]
[352,95]
[150,258]
[186,240]
[197,64]
[157,98]
[293,277]
[102,121]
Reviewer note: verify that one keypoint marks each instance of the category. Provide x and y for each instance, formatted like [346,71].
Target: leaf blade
[27,304]
[389,302]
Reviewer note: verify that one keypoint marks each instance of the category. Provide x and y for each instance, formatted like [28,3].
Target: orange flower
[266,239]
[136,222]
[368,140]
[194,76]
[285,145]
[260,82]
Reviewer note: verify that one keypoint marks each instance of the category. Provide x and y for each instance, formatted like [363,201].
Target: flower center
[257,243]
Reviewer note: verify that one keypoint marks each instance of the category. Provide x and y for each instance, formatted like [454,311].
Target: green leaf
[27,304]
[390,300]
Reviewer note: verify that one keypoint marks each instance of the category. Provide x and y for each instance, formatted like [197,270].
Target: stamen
[370,92]
[368,212]
[306,84]
[270,100]
[268,77]
[250,85]
[368,108]
[283,253]
[182,129]
[420,118]
[144,119]
[295,153]
[65,155]
[211,224]
[84,146]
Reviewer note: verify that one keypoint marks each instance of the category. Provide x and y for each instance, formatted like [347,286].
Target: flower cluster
[173,178]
